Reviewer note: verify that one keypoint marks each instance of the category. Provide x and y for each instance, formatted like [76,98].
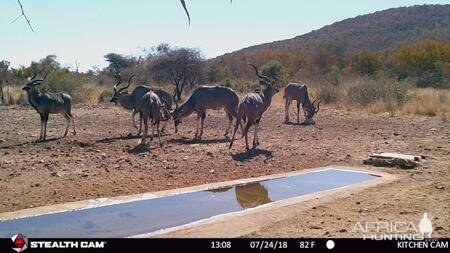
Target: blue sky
[86,30]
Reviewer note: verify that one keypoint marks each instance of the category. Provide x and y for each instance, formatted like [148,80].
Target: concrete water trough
[156,213]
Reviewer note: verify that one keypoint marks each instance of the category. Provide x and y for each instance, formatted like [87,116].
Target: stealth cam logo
[20,242]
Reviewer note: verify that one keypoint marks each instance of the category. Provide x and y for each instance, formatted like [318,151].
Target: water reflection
[248,195]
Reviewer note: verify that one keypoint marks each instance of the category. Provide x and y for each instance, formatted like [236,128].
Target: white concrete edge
[278,203]
[101,202]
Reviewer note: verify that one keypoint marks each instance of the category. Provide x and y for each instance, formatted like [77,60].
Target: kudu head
[32,82]
[313,108]
[177,115]
[269,82]
[119,91]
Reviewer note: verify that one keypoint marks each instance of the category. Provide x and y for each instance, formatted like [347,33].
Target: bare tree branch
[24,16]
[183,3]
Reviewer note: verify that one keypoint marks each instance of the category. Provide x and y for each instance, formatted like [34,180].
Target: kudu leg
[134,119]
[67,125]
[153,130]
[255,136]
[144,135]
[286,110]
[41,134]
[45,126]
[202,122]
[304,110]
[159,135]
[246,128]
[238,123]
[198,125]
[230,119]
[140,123]
[166,113]
[73,125]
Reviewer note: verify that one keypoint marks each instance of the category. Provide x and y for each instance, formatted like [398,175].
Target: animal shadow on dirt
[31,143]
[139,149]
[252,153]
[187,141]
[121,137]
[298,124]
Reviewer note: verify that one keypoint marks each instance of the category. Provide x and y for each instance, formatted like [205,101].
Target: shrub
[427,60]
[370,91]
[105,96]
[328,94]
[366,62]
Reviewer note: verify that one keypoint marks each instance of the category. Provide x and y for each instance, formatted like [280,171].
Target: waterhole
[149,215]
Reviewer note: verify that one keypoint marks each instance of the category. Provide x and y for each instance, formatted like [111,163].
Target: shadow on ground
[252,153]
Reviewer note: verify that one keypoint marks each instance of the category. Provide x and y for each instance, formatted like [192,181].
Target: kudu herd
[155,105]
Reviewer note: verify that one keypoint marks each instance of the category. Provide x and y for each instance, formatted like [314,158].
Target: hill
[382,30]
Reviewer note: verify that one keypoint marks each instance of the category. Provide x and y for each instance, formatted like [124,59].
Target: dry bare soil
[102,161]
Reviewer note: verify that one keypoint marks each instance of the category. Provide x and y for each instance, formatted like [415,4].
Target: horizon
[87,37]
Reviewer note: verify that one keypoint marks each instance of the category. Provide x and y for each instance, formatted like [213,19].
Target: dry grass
[380,96]
[13,95]
[88,94]
[429,102]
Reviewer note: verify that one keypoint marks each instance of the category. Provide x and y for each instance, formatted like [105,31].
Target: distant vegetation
[379,79]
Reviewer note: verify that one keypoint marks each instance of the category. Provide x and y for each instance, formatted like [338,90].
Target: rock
[440,187]
[433,129]
[392,160]
[103,156]
[342,230]
[36,185]
[211,171]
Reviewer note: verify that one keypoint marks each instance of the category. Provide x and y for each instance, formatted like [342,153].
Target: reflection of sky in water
[144,216]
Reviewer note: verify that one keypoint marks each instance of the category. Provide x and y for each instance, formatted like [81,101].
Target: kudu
[254,105]
[299,92]
[130,100]
[149,107]
[207,97]
[49,103]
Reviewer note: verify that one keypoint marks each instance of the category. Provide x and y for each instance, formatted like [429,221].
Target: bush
[105,96]
[427,60]
[370,91]
[329,94]
[366,62]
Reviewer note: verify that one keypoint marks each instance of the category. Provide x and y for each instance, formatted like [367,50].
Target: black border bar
[230,245]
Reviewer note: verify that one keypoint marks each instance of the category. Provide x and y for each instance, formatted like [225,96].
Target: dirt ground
[102,161]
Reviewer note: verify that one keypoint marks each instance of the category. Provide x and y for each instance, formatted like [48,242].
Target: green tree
[366,62]
[272,68]
[427,60]
[179,66]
